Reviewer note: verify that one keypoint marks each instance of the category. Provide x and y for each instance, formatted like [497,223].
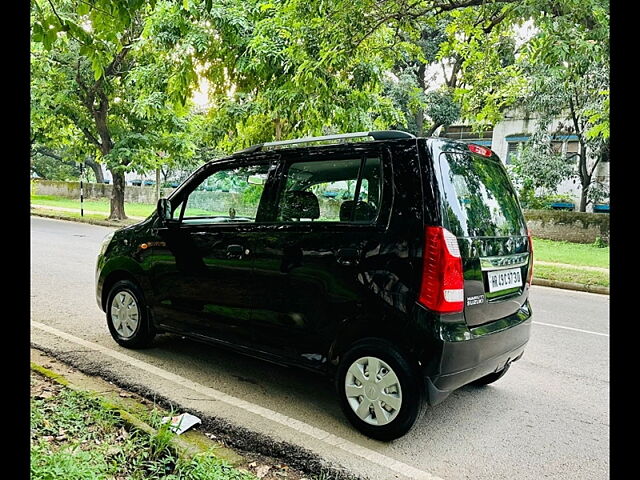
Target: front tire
[127,316]
[379,390]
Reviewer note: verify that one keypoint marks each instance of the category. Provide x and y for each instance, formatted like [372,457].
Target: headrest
[299,204]
[364,211]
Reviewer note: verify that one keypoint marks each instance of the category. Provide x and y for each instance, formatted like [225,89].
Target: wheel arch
[112,278]
[360,329]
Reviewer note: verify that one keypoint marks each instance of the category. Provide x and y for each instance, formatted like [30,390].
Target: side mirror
[164,210]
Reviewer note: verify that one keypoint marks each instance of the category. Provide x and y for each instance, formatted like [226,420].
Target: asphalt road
[547,418]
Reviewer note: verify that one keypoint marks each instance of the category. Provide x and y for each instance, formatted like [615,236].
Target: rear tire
[492,377]
[127,316]
[379,389]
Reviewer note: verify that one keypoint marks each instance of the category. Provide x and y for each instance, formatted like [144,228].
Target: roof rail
[377,135]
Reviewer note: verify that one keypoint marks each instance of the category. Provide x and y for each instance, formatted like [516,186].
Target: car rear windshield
[478,198]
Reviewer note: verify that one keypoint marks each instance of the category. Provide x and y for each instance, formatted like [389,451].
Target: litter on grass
[181,423]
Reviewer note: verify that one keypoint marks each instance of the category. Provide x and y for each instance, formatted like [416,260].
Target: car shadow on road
[307,396]
[252,379]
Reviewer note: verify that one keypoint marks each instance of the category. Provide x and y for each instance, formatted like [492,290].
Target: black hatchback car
[399,267]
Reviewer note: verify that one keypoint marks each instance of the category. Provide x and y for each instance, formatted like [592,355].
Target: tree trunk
[117,197]
[583,198]
[278,129]
[97,169]
[158,190]
[419,122]
[433,128]
[419,116]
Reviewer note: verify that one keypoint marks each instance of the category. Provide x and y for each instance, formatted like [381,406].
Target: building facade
[513,131]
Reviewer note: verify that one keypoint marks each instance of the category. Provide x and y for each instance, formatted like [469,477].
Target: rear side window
[478,198]
[335,190]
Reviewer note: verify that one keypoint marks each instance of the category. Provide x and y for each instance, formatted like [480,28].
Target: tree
[560,72]
[293,68]
[567,68]
[407,85]
[537,168]
[96,74]
[122,73]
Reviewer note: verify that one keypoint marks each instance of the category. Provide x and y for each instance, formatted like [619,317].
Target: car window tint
[325,191]
[479,199]
[228,195]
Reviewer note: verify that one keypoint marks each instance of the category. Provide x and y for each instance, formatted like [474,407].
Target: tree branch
[48,153]
[594,166]
[585,177]
[56,13]
[496,20]
[89,136]
[63,24]
[454,5]
[436,8]
[85,130]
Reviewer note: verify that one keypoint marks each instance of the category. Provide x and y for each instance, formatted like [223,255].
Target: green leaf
[83,8]
[37,32]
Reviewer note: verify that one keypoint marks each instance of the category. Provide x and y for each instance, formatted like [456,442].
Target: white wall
[515,124]
[130,176]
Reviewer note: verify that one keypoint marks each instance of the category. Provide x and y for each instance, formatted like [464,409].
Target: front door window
[227,195]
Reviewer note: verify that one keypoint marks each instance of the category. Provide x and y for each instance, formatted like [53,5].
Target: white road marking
[571,328]
[317,433]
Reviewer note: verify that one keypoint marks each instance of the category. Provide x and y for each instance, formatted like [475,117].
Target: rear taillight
[530,272]
[442,287]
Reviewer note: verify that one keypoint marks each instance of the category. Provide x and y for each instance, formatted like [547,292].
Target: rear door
[311,262]
[480,207]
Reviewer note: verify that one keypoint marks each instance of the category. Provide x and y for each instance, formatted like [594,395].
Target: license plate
[504,279]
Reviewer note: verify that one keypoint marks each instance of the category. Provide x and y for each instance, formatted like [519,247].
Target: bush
[530,201]
[599,243]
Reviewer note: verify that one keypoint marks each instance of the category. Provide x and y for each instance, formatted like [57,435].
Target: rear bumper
[469,354]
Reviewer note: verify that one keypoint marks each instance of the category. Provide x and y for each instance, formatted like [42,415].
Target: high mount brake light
[442,286]
[485,152]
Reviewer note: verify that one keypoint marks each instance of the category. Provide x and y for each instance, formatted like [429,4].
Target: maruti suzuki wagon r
[400,267]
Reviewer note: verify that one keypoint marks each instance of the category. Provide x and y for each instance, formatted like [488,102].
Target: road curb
[571,286]
[187,445]
[236,437]
[92,221]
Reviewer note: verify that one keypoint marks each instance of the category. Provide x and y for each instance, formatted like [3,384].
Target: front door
[203,277]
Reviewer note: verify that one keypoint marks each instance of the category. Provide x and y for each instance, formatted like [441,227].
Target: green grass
[570,253]
[73,436]
[572,275]
[135,209]
[88,218]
